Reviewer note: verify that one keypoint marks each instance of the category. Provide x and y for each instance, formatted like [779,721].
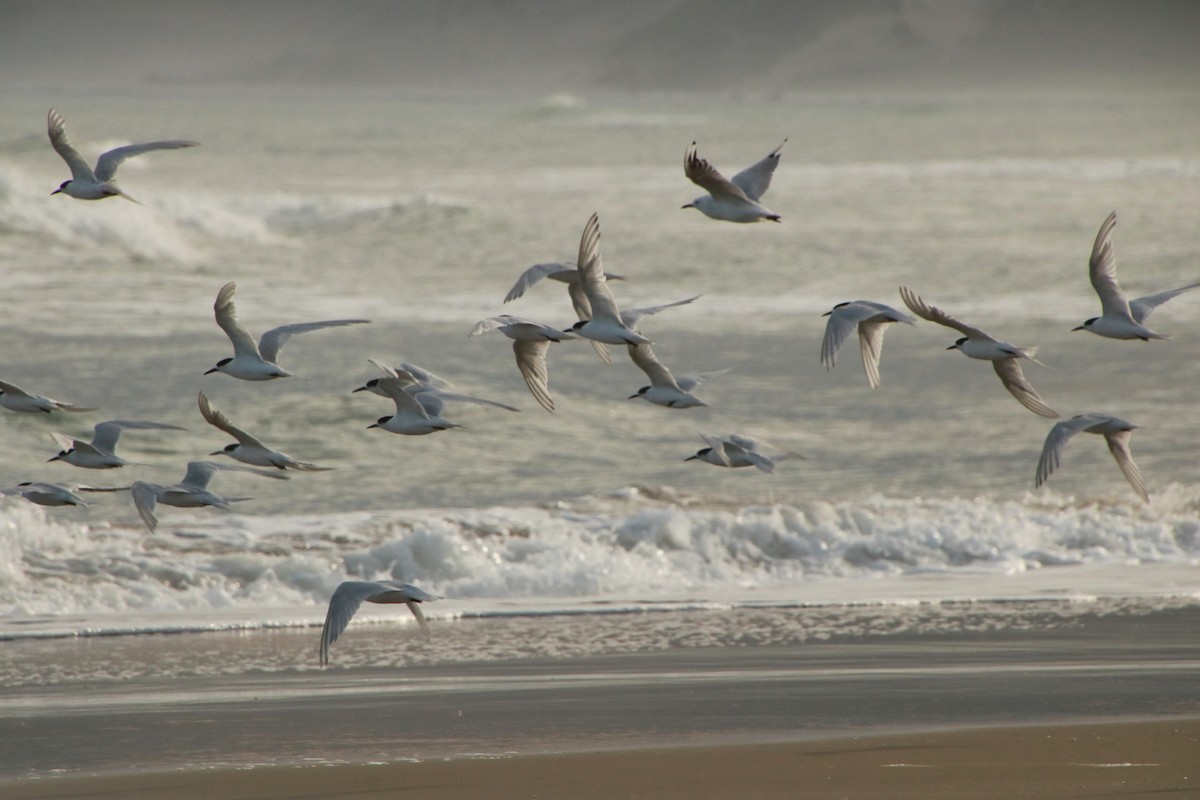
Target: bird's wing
[583,311]
[346,599]
[106,165]
[633,316]
[755,179]
[64,442]
[706,176]
[71,407]
[870,342]
[1013,377]
[219,420]
[462,398]
[1118,445]
[591,273]
[534,274]
[9,388]
[415,607]
[57,129]
[531,361]
[271,342]
[1056,440]
[717,444]
[145,498]
[384,368]
[492,323]
[420,373]
[107,433]
[934,314]
[645,359]
[198,474]
[842,320]
[1102,270]
[689,382]
[405,402]
[227,320]
[1142,307]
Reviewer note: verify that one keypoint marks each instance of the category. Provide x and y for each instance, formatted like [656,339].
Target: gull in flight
[248,449]
[411,418]
[531,340]
[257,362]
[1120,318]
[431,398]
[100,453]
[191,492]
[605,324]
[665,389]
[1116,433]
[567,273]
[89,184]
[872,320]
[1005,357]
[736,199]
[349,595]
[53,494]
[14,398]
[732,451]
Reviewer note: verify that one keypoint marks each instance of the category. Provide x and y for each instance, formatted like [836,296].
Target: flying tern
[14,398]
[411,418]
[531,340]
[89,184]
[100,453]
[666,389]
[567,273]
[1116,432]
[349,595]
[248,449]
[191,492]
[732,451]
[257,362]
[1005,357]
[871,319]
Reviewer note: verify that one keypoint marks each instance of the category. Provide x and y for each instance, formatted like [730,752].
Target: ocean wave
[629,548]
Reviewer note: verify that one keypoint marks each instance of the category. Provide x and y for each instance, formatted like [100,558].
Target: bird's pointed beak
[210,371]
[952,347]
[689,205]
[55,458]
[56,191]
[218,453]
[691,458]
[1080,328]
[633,397]
[359,389]
[827,313]
[373,425]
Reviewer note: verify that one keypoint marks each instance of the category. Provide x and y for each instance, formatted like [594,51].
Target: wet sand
[1107,707]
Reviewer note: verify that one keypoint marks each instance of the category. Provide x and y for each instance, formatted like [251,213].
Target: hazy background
[539,45]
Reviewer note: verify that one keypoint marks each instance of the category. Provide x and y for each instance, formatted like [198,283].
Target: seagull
[872,320]
[431,398]
[1005,357]
[1120,318]
[1116,433]
[736,199]
[567,273]
[89,184]
[248,449]
[53,494]
[665,389]
[191,492]
[411,418]
[349,595]
[605,324]
[530,342]
[732,451]
[256,362]
[14,398]
[100,453]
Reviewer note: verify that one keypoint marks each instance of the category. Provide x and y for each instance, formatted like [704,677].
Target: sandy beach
[1104,706]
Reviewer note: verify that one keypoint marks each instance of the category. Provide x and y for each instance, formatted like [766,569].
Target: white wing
[633,316]
[755,179]
[717,444]
[591,273]
[689,382]
[1102,270]
[842,320]
[1056,440]
[442,396]
[271,342]
[145,498]
[108,433]
[347,597]
[706,176]
[583,310]
[57,129]
[405,402]
[106,165]
[227,320]
[1013,377]
[219,420]
[534,274]
[1118,445]
[531,361]
[935,314]
[1142,307]
[658,374]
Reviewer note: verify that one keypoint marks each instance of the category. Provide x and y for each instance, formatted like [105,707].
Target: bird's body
[191,492]
[1120,317]
[1116,432]
[96,184]
[733,199]
[349,595]
[568,273]
[248,449]
[100,452]
[46,494]
[605,324]
[432,398]
[253,361]
[531,340]
[666,389]
[14,398]
[1006,358]
[870,319]
[732,451]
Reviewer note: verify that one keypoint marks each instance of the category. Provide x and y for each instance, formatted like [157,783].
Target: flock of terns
[420,399]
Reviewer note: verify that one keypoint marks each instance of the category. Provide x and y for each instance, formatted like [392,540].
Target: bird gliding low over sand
[349,595]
